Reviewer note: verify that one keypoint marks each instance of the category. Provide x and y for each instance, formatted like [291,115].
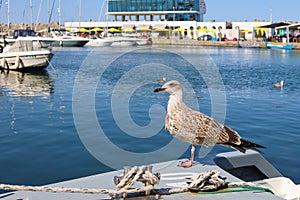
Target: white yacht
[24,54]
[57,39]
[62,40]
[119,41]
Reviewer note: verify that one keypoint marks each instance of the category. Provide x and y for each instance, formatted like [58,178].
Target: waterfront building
[169,14]
[169,10]
[230,29]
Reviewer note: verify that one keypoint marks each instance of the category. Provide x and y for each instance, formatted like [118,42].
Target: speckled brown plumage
[195,127]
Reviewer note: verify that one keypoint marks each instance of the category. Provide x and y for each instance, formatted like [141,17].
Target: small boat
[248,45]
[279,46]
[119,41]
[241,176]
[24,54]
[98,42]
[64,40]
[67,41]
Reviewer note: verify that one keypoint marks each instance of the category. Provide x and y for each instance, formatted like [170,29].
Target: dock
[190,42]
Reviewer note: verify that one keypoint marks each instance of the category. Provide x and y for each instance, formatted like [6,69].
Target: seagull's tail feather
[244,144]
[251,145]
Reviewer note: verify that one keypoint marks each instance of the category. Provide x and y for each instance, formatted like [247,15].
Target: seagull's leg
[190,162]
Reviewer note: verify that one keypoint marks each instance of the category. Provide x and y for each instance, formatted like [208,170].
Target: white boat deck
[172,176]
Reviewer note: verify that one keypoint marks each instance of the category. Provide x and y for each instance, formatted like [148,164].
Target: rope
[132,175]
[50,64]
[211,183]
[210,180]
[52,189]
[205,183]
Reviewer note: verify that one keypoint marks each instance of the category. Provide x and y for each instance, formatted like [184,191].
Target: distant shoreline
[155,40]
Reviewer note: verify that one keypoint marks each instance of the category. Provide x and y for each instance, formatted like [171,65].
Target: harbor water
[97,111]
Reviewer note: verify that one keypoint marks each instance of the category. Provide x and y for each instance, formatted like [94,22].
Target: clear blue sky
[219,10]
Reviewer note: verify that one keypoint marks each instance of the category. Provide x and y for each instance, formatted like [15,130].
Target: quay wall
[190,42]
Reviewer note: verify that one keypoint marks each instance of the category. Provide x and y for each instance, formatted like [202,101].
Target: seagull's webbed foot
[186,164]
[190,162]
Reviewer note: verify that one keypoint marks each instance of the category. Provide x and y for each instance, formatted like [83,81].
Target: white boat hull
[26,60]
[118,41]
[64,41]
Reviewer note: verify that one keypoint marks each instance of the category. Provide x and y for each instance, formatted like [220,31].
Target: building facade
[150,10]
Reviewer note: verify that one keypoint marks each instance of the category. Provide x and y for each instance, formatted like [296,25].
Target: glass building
[170,10]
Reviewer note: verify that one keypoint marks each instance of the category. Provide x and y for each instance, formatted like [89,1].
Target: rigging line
[51,65]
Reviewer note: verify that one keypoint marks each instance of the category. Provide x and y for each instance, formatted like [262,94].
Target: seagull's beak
[159,89]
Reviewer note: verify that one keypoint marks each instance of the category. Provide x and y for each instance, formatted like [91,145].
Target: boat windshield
[24,45]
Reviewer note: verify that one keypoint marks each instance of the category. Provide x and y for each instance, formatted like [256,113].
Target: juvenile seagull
[197,128]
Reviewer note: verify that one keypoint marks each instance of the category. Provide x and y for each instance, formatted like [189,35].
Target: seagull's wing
[209,132]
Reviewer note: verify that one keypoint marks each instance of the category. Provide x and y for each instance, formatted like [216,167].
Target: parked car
[205,37]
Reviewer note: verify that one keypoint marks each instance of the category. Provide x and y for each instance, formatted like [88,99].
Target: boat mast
[31,24]
[100,15]
[48,16]
[38,15]
[24,11]
[0,16]
[79,13]
[8,14]
[50,10]
[106,17]
[59,13]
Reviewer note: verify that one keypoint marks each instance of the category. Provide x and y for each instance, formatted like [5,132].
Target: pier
[190,42]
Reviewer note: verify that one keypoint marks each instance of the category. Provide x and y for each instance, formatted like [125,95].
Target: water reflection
[31,84]
[23,87]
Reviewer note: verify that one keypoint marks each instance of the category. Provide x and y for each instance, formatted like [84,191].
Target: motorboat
[65,41]
[99,41]
[24,54]
[243,176]
[55,40]
[248,45]
[119,41]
